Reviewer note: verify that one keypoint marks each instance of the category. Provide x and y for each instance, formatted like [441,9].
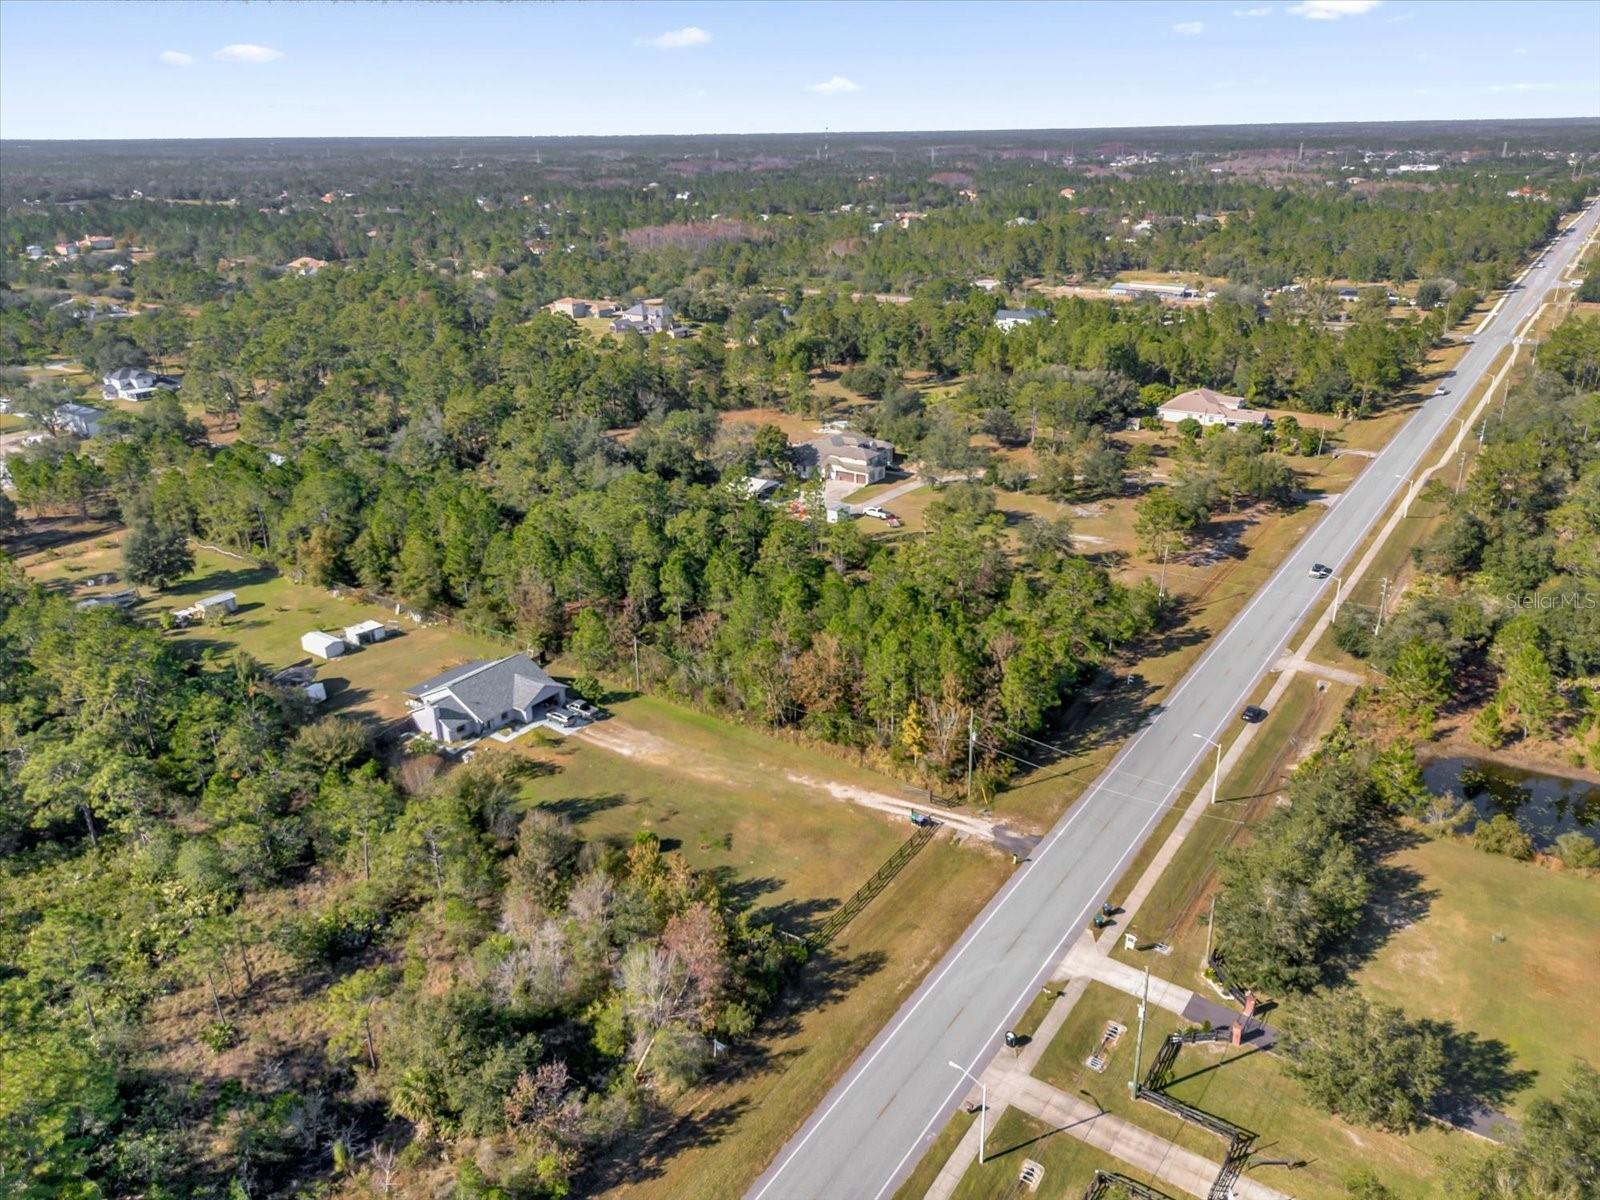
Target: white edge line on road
[1004,895]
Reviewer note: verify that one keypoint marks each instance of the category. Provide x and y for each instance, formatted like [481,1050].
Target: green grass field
[1069,1165]
[727,798]
[1245,1087]
[1533,989]
[273,612]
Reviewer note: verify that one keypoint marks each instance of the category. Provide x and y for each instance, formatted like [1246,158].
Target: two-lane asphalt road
[875,1122]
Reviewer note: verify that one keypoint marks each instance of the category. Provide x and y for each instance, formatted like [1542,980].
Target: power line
[1134,797]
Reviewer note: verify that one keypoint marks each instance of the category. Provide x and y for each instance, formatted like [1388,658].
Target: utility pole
[1383,603]
[1211,924]
[1138,1046]
[1461,459]
[972,742]
[1162,593]
[636,684]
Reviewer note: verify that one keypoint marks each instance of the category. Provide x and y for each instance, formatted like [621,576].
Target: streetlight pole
[983,1108]
[1216,774]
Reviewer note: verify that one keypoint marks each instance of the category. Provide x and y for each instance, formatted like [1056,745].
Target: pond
[1546,806]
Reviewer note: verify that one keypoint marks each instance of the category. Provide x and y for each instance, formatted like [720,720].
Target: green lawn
[1534,989]
[1069,1165]
[273,612]
[1174,911]
[730,806]
[1245,1087]
[1250,1089]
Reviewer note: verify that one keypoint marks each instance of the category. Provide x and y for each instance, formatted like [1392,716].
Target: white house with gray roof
[136,383]
[481,696]
[1008,319]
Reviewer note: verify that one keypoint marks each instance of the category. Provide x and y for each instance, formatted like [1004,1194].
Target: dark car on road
[1254,714]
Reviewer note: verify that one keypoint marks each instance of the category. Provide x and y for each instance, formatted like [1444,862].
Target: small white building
[221,602]
[365,633]
[322,645]
[756,487]
[315,691]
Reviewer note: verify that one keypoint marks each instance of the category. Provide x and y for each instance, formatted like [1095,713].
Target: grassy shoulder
[737,1127]
[1175,910]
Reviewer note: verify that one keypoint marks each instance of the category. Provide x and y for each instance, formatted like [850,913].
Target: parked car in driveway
[881,514]
[562,718]
[583,708]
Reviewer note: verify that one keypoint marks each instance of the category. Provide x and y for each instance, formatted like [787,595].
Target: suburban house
[481,696]
[136,383]
[67,249]
[34,252]
[305,265]
[1211,408]
[647,317]
[97,241]
[79,419]
[1008,319]
[323,645]
[847,457]
[986,284]
[569,306]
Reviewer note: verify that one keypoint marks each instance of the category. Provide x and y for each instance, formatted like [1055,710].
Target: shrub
[1578,850]
[321,939]
[1352,632]
[1502,835]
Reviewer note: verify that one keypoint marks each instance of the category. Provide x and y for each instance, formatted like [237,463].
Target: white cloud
[834,87]
[678,39]
[1189,28]
[1264,10]
[247,52]
[1332,10]
[1524,87]
[176,58]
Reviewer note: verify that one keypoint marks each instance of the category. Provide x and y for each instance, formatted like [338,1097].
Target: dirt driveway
[620,737]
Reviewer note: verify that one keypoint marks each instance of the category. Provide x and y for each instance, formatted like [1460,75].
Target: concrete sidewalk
[1148,1152]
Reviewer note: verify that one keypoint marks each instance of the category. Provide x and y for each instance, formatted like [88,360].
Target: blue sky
[176,69]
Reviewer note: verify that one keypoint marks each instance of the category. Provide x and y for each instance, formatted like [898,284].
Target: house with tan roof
[1211,408]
